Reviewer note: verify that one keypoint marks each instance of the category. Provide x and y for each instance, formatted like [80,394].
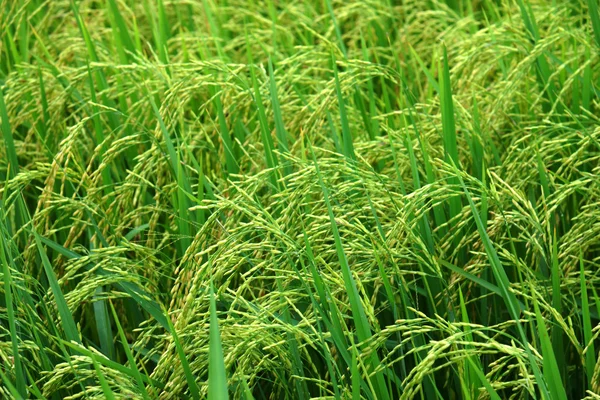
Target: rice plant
[321,199]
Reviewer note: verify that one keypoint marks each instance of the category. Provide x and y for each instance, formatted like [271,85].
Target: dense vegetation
[340,199]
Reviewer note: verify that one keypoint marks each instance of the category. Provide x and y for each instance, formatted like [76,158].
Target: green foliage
[299,199]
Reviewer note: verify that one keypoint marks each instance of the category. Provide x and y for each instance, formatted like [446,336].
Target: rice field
[285,199]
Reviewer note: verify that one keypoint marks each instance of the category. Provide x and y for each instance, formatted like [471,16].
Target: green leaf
[588,336]
[363,329]
[217,375]
[551,372]
[595,17]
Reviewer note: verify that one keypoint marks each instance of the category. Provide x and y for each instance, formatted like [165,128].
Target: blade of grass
[21,382]
[9,143]
[508,296]
[164,33]
[595,17]
[76,348]
[183,184]
[358,312]
[281,132]
[123,42]
[270,157]
[297,368]
[136,293]
[484,380]
[469,377]
[543,68]
[66,317]
[137,375]
[103,327]
[108,393]
[189,377]
[557,334]
[11,388]
[347,141]
[217,375]
[590,355]
[551,372]
[336,27]
[449,132]
[230,158]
